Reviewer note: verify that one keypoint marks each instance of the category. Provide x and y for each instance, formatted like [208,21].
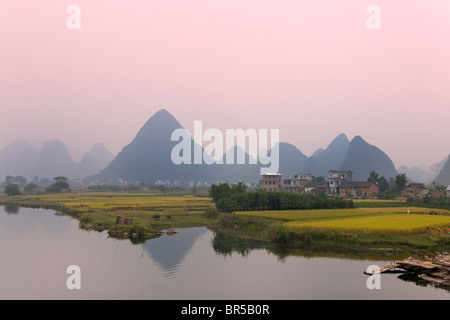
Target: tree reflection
[11,209]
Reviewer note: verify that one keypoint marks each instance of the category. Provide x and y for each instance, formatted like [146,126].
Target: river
[37,246]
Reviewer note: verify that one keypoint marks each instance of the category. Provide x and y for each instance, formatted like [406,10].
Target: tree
[30,187]
[383,185]
[373,177]
[59,184]
[219,191]
[400,181]
[19,180]
[11,190]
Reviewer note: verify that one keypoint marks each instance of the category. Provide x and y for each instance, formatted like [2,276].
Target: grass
[361,203]
[305,215]
[377,224]
[372,221]
[295,215]
[102,208]
[375,220]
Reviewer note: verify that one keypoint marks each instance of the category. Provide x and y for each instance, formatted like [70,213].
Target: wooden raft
[430,267]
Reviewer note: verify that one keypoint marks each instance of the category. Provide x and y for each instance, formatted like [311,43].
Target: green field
[113,201]
[372,221]
[99,210]
[383,224]
[377,220]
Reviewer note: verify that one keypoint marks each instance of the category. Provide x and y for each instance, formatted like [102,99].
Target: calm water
[37,246]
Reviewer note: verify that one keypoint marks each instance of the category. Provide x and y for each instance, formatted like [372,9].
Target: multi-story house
[336,177]
[271,182]
[298,183]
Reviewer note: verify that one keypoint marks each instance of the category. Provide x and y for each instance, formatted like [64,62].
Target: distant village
[340,183]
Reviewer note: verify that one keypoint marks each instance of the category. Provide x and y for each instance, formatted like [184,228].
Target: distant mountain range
[147,159]
[52,160]
[416,174]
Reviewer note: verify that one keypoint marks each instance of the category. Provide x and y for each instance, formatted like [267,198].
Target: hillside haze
[363,157]
[98,158]
[443,177]
[148,159]
[329,159]
[18,159]
[55,160]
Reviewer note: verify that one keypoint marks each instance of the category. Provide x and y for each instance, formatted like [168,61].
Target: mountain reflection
[169,252]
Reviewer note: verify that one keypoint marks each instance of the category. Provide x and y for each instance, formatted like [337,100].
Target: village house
[358,189]
[316,188]
[415,190]
[270,182]
[297,184]
[448,191]
[337,177]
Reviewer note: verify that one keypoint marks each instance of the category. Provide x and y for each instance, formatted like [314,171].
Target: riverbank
[376,226]
[126,215]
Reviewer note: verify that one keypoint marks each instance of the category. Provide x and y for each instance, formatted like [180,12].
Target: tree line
[236,198]
[13,183]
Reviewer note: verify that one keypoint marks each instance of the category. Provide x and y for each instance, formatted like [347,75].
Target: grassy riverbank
[150,212]
[372,224]
[375,226]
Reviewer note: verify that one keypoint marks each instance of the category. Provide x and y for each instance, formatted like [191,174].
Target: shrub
[211,213]
[278,233]
[11,190]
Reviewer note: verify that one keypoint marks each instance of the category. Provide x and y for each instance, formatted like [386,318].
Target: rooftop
[356,184]
[417,185]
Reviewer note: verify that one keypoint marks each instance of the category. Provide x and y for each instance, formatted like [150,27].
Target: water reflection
[11,209]
[226,242]
[36,246]
[21,221]
[168,252]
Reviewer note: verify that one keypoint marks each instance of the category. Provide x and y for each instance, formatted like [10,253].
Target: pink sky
[311,69]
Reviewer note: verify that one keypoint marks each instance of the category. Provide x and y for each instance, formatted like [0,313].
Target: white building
[336,177]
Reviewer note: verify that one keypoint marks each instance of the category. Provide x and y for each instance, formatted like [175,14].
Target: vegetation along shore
[277,218]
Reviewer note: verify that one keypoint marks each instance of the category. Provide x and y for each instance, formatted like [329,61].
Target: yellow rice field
[390,224]
[390,220]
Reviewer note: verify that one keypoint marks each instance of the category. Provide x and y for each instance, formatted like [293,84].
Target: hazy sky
[312,69]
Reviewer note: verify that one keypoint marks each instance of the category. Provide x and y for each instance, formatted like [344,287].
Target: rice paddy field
[96,209]
[371,220]
[375,220]
[115,201]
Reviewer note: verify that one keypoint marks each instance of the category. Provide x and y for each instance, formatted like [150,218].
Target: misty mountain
[362,158]
[147,158]
[317,152]
[443,177]
[234,173]
[55,160]
[312,166]
[416,174]
[331,158]
[292,160]
[98,158]
[18,159]
[436,168]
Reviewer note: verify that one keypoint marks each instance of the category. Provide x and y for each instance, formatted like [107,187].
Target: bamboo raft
[432,268]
